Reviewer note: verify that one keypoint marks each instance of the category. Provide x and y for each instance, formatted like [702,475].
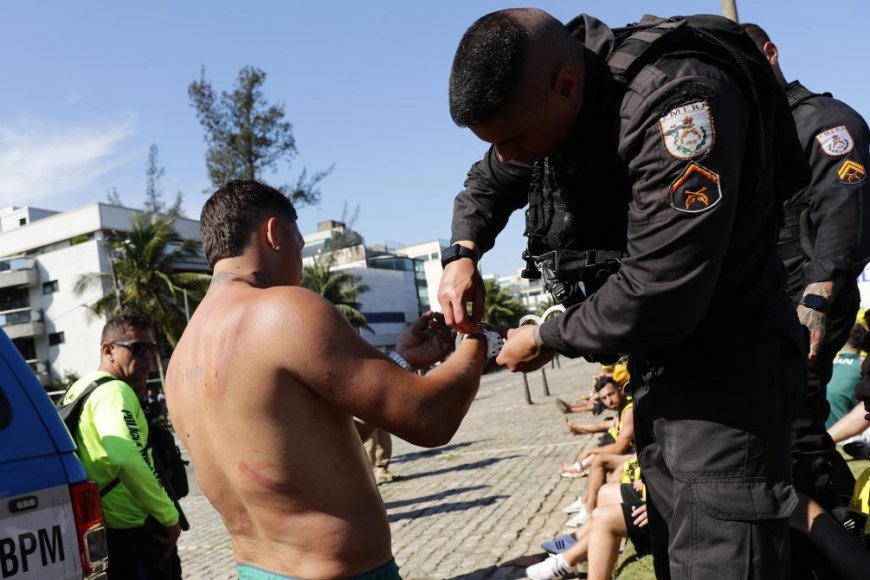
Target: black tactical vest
[578,198]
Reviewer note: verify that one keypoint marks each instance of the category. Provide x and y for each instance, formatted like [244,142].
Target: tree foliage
[145,264]
[154,193]
[501,307]
[246,135]
[340,287]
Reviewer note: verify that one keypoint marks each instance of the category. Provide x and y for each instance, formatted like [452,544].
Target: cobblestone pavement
[465,510]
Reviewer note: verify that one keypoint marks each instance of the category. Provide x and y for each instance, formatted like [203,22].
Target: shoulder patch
[836,141]
[688,131]
[851,172]
[696,190]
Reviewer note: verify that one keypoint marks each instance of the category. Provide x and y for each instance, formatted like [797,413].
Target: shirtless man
[263,387]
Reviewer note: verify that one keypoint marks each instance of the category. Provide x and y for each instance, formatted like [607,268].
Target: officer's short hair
[117,326]
[756,33]
[232,213]
[489,62]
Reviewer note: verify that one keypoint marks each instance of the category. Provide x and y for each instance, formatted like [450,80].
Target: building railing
[20,316]
[16,264]
[40,370]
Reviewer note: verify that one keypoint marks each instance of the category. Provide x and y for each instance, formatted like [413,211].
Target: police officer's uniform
[827,233]
[675,170]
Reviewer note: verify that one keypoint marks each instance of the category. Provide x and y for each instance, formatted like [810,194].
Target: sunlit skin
[120,361]
[263,388]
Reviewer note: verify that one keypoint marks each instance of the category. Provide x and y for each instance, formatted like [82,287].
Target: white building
[400,281]
[531,293]
[42,255]
[429,254]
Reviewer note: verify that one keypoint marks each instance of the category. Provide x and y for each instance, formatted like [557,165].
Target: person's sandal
[573,470]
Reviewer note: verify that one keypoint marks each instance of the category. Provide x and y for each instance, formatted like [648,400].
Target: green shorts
[389,571]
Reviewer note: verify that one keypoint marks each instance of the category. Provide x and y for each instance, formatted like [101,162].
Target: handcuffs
[536,320]
[494,339]
[494,344]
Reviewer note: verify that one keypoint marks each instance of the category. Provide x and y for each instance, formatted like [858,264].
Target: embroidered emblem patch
[835,142]
[696,190]
[688,131]
[851,172]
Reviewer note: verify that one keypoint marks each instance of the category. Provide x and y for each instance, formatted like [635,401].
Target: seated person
[840,390]
[853,424]
[604,467]
[621,513]
[621,429]
[587,403]
[590,401]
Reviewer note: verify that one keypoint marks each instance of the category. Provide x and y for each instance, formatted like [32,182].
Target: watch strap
[400,360]
[455,252]
[816,302]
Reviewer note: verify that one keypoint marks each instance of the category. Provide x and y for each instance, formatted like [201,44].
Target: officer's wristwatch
[815,302]
[455,252]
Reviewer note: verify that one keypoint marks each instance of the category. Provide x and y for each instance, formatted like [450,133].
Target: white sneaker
[553,567]
[578,519]
[577,506]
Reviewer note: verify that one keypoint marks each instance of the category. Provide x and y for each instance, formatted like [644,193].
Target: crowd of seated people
[612,506]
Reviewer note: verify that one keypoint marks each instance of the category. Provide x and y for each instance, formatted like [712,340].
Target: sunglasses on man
[136,348]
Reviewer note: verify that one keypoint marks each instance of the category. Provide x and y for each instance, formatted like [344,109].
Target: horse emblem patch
[835,142]
[851,172]
[696,190]
[688,131]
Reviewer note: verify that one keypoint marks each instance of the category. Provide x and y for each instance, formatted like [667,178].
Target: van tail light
[91,533]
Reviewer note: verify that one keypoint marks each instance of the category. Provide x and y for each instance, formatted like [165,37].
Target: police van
[51,520]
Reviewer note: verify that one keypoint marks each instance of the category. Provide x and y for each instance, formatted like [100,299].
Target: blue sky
[88,86]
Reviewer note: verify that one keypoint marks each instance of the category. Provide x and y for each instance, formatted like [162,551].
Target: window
[49,287]
[384,317]
[55,338]
[22,221]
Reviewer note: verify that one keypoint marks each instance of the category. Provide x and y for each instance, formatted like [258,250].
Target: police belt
[570,261]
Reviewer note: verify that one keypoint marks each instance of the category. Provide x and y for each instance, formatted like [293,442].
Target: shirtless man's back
[263,386]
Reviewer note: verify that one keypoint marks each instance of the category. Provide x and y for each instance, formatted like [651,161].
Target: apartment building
[398,282]
[42,255]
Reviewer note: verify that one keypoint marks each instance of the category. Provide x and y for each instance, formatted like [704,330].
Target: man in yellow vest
[112,440]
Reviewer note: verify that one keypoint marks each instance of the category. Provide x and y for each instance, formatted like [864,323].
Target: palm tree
[339,287]
[501,307]
[145,278]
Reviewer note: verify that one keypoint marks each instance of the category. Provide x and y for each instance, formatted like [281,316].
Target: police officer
[669,165]
[825,242]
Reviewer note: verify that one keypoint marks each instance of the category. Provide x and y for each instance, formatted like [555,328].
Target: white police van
[51,520]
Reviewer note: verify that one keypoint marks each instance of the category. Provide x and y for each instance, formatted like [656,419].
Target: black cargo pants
[713,431]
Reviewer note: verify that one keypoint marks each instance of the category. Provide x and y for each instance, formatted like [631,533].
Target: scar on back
[264,480]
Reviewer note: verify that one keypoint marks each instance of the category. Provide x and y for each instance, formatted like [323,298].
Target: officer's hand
[460,284]
[521,353]
[815,322]
[426,341]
